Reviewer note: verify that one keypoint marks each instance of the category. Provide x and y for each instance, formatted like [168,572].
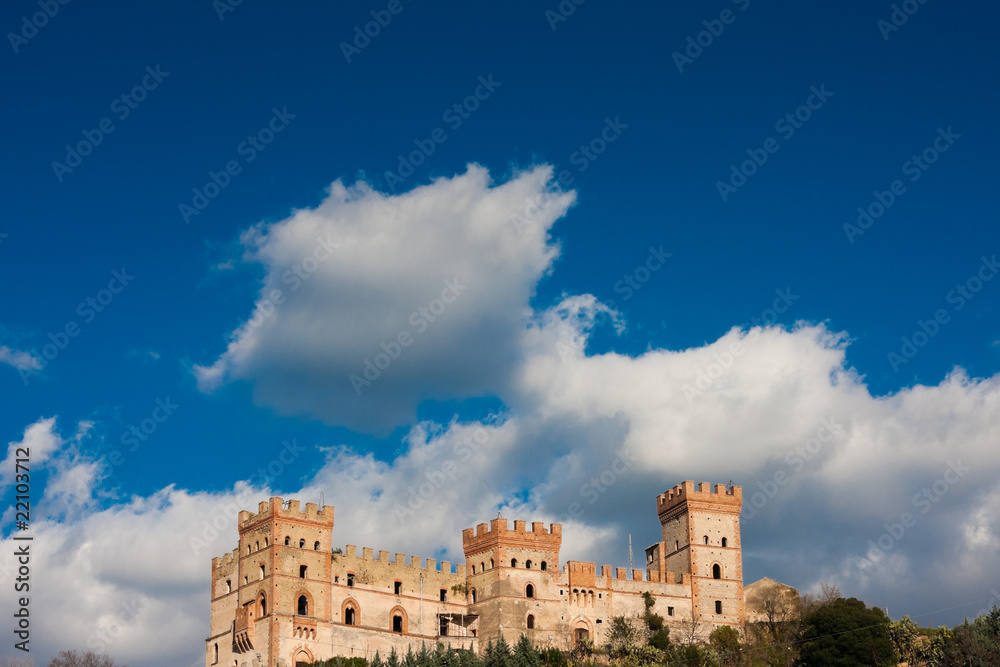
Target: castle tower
[701,536]
[507,570]
[279,576]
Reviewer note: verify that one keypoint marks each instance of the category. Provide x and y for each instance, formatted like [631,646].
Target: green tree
[903,635]
[525,654]
[846,633]
[726,642]
[622,635]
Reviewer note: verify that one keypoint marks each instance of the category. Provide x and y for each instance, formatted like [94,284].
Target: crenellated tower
[701,536]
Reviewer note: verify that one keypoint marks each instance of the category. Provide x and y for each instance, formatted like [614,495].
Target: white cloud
[19,359]
[442,265]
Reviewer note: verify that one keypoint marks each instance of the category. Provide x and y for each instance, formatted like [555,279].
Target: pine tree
[377,660]
[525,654]
[393,658]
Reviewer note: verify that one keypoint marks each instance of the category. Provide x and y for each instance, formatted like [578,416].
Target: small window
[531,622]
[473,596]
[248,549]
[444,595]
[527,564]
[716,571]
[670,611]
[398,587]
[513,562]
[529,591]
[302,571]
[544,566]
[229,585]
[316,546]
[482,567]
[246,580]
[706,539]
[724,543]
[350,579]
[302,544]
[287,540]
[216,654]
[257,548]
[397,623]
[349,616]
[303,605]
[266,542]
[473,569]
[677,545]
[718,606]
[492,564]
[261,571]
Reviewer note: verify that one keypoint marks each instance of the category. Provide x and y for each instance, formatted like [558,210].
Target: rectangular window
[670,611]
[398,587]
[350,578]
[302,571]
[718,606]
[444,595]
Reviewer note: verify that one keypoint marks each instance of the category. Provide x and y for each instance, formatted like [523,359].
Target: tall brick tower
[701,536]
[283,578]
[506,570]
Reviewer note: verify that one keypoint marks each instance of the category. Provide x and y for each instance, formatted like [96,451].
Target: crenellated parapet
[720,498]
[276,507]
[497,535]
[402,560]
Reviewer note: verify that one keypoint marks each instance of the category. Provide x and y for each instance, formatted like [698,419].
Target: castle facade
[284,597]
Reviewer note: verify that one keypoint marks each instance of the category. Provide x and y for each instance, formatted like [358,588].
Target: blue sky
[625,145]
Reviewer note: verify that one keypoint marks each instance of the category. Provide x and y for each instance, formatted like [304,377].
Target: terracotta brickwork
[284,594]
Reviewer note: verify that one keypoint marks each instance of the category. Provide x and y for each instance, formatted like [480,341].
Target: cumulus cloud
[371,302]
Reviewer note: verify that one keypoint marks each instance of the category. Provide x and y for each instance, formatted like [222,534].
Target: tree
[726,643]
[622,635]
[78,659]
[903,635]
[525,654]
[846,633]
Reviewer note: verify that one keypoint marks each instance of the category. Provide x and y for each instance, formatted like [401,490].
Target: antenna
[630,552]
[322,501]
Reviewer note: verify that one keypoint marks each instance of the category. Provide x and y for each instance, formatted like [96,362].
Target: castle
[284,597]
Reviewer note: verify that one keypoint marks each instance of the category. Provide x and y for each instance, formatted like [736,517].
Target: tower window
[718,606]
[397,623]
[670,611]
[316,546]
[398,587]
[350,579]
[724,542]
[216,654]
[527,564]
[544,566]
[349,616]
[303,605]
[261,571]
[513,562]
[716,571]
[482,567]
[229,585]
[677,545]
[444,595]
[287,540]
[473,569]
[529,591]
[473,596]
[706,539]
[531,622]
[302,544]
[302,571]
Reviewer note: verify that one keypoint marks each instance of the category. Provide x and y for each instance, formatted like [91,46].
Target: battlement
[497,534]
[401,560]
[720,496]
[276,507]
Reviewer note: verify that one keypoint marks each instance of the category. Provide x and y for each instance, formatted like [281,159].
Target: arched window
[248,549]
[287,540]
[257,548]
[398,616]
[527,564]
[397,623]
[266,542]
[706,539]
[716,571]
[529,591]
[473,569]
[544,566]
[316,546]
[261,571]
[229,585]
[724,542]
[473,596]
[492,564]
[303,605]
[513,562]
[531,622]
[482,567]
[349,616]
[262,604]
[302,543]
